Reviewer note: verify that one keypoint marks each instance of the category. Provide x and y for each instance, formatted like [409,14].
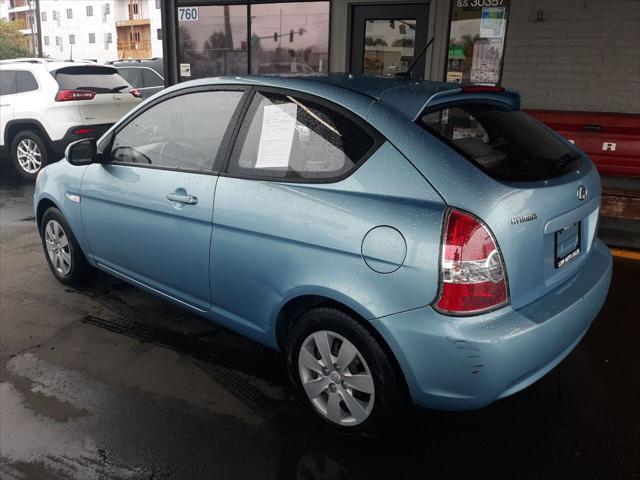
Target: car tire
[64,256]
[374,412]
[29,152]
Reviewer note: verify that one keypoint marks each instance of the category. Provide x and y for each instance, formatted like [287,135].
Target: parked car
[147,76]
[45,105]
[396,239]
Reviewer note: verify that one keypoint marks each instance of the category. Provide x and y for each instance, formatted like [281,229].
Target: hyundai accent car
[395,239]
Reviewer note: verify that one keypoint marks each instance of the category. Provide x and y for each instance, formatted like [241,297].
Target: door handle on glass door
[188,199]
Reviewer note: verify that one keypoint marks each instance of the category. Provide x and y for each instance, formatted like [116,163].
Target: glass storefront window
[215,43]
[476,41]
[389,46]
[290,37]
[285,38]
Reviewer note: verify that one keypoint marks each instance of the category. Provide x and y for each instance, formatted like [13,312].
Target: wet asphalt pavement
[109,382]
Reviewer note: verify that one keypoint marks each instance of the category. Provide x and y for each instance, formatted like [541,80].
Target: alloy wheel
[58,247]
[29,155]
[336,378]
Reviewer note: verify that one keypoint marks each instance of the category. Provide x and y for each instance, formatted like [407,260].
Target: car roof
[408,97]
[44,63]
[154,64]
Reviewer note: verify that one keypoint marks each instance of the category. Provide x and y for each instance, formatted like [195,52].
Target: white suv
[45,105]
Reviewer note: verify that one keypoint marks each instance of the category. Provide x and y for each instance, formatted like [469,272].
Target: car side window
[183,132]
[25,82]
[287,137]
[8,82]
[132,76]
[151,78]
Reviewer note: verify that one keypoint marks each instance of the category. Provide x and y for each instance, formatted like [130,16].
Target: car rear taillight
[473,278]
[135,92]
[70,95]
[83,131]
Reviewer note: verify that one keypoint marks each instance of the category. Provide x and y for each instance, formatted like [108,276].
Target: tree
[256,42]
[403,42]
[216,41]
[13,44]
[375,42]
[186,40]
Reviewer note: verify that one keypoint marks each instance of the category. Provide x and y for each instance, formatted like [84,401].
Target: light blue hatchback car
[396,239]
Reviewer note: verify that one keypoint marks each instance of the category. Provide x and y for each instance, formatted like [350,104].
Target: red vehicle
[612,140]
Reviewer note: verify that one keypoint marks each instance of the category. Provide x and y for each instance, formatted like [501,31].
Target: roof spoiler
[473,92]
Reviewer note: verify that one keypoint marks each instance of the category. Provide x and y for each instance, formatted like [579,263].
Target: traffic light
[275,36]
[291,36]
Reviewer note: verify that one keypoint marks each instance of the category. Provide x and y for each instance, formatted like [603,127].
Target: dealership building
[575,56]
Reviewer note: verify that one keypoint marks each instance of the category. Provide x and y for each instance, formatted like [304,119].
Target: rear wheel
[343,373]
[29,153]
[64,256]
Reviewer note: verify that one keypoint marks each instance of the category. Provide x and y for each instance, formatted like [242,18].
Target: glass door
[386,38]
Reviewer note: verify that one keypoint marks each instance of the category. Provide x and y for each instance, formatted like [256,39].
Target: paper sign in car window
[276,137]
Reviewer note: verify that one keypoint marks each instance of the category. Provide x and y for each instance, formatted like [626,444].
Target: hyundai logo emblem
[582,192]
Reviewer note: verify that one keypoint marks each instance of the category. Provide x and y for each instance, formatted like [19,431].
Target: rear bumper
[70,136]
[465,363]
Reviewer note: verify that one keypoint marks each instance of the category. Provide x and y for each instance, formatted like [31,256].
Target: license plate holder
[567,244]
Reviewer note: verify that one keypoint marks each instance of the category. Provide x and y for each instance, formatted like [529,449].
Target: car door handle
[188,199]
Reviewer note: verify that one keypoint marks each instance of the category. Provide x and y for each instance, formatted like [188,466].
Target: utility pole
[228,34]
[280,37]
[31,25]
[39,29]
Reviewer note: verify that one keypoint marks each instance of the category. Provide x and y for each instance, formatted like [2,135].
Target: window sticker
[276,137]
[185,69]
[492,22]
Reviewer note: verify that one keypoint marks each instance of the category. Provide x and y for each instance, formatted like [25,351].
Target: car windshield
[96,79]
[506,144]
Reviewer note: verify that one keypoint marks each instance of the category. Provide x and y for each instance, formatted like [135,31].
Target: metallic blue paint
[248,247]
[468,362]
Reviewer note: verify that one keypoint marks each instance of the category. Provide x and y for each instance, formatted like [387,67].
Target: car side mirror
[81,152]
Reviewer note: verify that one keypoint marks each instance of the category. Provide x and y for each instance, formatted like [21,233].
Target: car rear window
[506,144]
[93,78]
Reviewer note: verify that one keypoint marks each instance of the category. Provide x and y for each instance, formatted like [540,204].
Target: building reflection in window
[215,44]
[290,38]
[286,38]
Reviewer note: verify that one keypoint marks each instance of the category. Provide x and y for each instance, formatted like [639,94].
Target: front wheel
[61,249]
[343,373]
[29,154]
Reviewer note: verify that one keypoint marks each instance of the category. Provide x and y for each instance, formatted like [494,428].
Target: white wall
[156,23]
[80,26]
[4,9]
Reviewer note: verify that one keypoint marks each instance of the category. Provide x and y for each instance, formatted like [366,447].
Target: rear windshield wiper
[562,162]
[119,89]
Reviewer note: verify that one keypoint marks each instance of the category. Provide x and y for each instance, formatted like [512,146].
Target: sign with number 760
[188,14]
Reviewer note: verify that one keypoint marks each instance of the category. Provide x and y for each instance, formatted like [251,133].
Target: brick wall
[585,56]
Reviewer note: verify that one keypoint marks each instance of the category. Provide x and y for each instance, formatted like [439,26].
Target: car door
[7,98]
[147,210]
[274,213]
